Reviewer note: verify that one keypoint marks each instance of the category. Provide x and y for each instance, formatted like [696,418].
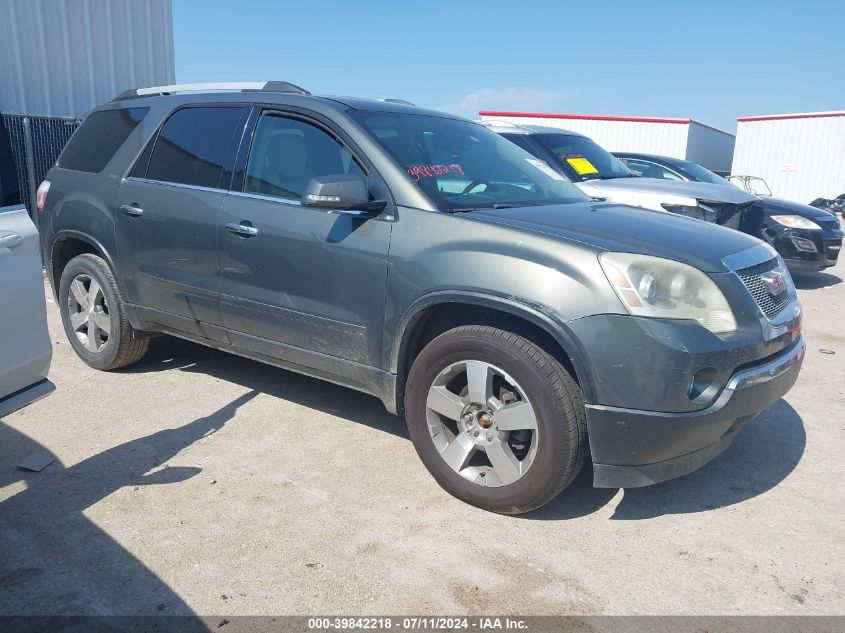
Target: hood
[616,227]
[779,206]
[697,190]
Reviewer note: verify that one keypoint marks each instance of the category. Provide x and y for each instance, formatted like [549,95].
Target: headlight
[796,222]
[701,212]
[666,289]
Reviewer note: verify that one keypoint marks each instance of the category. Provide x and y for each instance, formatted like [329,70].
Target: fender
[93,243]
[558,331]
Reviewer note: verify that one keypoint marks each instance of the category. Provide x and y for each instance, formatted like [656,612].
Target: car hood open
[616,227]
[697,190]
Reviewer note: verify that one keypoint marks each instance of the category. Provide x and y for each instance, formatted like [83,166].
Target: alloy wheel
[482,423]
[89,313]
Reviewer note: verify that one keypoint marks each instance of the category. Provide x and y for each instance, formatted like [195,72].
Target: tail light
[41,195]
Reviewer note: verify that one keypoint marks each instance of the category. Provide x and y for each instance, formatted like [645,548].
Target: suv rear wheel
[498,422]
[94,316]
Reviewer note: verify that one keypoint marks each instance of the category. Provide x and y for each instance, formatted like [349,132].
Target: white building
[62,57]
[800,156]
[679,138]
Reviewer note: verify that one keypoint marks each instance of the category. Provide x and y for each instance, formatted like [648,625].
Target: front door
[296,279]
[26,349]
[167,211]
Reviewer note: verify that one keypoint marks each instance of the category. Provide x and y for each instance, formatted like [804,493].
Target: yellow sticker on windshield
[582,165]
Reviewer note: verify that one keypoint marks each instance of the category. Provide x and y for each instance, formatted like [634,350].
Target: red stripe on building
[781,117]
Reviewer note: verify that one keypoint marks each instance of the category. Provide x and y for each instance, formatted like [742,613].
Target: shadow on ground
[763,454]
[54,560]
[167,352]
[814,281]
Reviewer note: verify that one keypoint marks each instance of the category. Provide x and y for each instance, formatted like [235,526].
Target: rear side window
[9,189]
[193,145]
[99,137]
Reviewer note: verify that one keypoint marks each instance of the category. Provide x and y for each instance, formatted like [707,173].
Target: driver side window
[287,153]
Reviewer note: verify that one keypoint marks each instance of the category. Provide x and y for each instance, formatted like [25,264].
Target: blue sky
[712,61]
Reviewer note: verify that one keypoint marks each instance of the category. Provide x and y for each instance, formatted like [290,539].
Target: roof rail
[399,101]
[499,122]
[243,86]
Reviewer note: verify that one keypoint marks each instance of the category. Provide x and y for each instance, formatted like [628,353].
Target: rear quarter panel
[82,204]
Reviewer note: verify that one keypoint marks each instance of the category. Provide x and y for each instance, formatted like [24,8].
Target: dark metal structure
[36,142]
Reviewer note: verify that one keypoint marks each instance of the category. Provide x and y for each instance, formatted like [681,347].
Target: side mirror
[340,192]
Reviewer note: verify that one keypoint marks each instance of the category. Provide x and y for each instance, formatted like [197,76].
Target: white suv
[601,175]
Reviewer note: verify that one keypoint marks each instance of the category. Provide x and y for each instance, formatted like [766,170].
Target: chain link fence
[36,142]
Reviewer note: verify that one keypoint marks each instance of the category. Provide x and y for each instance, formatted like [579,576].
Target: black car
[808,239]
[835,205]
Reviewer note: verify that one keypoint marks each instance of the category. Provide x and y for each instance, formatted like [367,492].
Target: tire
[104,339]
[522,374]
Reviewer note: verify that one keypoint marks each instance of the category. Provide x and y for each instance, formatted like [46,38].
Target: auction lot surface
[201,482]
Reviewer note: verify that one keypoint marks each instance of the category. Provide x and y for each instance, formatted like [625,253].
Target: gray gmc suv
[519,326]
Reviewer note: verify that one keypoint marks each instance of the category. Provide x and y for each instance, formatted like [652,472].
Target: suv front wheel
[498,422]
[94,316]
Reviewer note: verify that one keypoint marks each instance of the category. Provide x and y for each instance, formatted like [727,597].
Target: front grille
[751,277]
[832,249]
[828,224]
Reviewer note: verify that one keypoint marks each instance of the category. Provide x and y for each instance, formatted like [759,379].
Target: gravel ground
[199,482]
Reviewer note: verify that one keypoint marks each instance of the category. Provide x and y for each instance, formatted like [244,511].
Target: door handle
[10,240]
[132,211]
[244,230]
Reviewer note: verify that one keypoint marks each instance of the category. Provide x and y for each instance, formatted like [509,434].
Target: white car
[25,348]
[601,175]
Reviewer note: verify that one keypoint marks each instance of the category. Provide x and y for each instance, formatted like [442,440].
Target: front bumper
[826,247]
[632,448]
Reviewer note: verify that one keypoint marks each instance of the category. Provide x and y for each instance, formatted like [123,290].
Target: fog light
[803,244]
[704,385]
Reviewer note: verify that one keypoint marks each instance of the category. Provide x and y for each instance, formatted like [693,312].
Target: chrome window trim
[180,185]
[259,196]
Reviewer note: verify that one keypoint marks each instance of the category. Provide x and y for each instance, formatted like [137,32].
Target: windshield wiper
[503,205]
[465,209]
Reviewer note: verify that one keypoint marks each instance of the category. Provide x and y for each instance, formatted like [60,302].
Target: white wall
[678,138]
[709,147]
[62,57]
[801,158]
[667,139]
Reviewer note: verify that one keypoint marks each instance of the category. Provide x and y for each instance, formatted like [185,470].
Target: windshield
[463,166]
[582,158]
[700,174]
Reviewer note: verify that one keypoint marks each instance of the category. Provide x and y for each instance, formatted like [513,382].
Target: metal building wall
[678,138]
[62,57]
[667,137]
[800,156]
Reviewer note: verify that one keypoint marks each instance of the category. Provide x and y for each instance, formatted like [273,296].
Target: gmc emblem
[775,282]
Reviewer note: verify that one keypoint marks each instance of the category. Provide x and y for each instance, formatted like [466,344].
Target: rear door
[25,349]
[299,278]
[167,211]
